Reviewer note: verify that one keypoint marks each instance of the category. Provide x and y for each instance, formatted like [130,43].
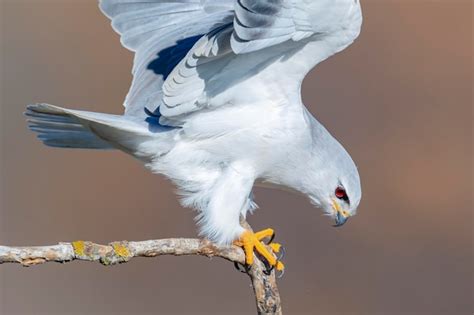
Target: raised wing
[160,32]
[258,27]
[181,45]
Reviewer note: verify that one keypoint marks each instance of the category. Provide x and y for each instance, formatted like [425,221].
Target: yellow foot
[250,241]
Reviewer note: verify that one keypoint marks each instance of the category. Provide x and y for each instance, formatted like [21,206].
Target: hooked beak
[341,218]
[341,215]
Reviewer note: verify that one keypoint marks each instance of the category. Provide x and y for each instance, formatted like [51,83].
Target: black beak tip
[340,220]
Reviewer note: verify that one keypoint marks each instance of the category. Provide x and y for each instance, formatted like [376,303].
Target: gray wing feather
[148,27]
[264,23]
[203,36]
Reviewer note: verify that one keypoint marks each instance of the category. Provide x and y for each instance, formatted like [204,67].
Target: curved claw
[268,271]
[278,267]
[272,237]
[277,248]
[241,267]
[281,253]
[281,273]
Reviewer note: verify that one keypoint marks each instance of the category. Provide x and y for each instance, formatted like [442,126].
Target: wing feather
[265,23]
[160,32]
[181,45]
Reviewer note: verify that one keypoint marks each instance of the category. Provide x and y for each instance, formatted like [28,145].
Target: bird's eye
[341,193]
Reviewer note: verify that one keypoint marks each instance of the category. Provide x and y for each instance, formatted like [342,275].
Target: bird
[215,106]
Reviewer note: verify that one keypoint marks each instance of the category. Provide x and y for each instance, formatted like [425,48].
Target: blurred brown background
[400,100]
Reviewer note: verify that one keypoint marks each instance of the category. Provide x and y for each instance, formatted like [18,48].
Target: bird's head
[332,180]
[338,193]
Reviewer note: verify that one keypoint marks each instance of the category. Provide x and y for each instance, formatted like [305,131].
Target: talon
[279,266]
[281,253]
[277,248]
[270,241]
[251,242]
[241,268]
[280,273]
[268,271]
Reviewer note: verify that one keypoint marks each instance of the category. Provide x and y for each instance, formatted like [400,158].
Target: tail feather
[66,128]
[56,128]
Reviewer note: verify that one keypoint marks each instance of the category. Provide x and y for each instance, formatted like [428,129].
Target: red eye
[340,193]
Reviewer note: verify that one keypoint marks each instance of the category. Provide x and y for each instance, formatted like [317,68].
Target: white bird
[215,105]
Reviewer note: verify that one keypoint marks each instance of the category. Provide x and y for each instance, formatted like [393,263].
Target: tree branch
[265,287]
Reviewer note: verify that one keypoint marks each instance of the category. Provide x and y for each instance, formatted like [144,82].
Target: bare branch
[116,252]
[265,288]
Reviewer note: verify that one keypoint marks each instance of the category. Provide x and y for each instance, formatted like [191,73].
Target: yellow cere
[337,208]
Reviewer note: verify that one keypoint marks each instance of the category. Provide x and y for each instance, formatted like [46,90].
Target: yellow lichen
[79,248]
[121,250]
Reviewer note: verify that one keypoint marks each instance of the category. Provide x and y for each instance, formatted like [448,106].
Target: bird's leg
[251,242]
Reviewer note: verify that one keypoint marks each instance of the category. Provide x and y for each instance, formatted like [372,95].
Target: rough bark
[265,287]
